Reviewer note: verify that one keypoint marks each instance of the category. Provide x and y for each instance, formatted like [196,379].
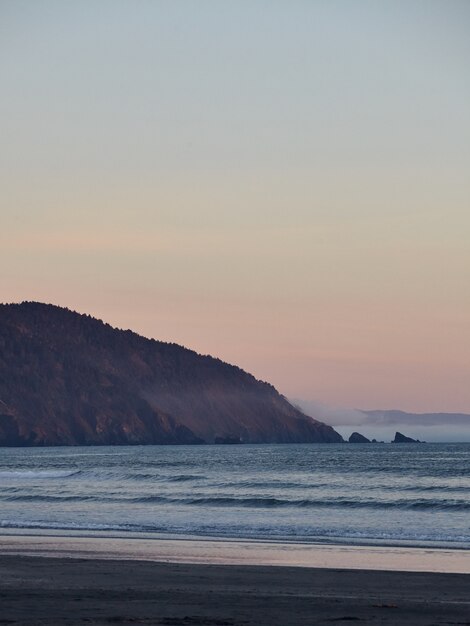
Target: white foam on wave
[317,535]
[28,474]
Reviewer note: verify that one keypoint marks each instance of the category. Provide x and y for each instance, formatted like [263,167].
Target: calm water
[385,494]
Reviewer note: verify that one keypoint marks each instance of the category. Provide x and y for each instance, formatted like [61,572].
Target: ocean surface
[408,494]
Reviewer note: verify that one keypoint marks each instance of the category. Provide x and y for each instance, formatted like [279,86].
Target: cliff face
[70,379]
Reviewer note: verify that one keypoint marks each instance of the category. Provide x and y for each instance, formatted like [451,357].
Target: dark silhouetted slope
[70,379]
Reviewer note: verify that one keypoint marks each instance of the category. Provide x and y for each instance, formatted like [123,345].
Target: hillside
[70,379]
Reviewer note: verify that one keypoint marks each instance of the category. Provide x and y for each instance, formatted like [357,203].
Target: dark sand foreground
[66,591]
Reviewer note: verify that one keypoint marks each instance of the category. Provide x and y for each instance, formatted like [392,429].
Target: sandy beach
[112,589]
[37,590]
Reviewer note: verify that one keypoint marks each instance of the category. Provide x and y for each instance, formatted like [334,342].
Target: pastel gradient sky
[282,184]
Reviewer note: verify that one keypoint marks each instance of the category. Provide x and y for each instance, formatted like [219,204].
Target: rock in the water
[228,440]
[400,438]
[358,438]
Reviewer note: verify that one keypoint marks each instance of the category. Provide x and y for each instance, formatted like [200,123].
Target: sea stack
[400,438]
[358,438]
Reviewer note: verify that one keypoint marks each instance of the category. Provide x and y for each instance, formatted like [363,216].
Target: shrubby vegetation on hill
[70,379]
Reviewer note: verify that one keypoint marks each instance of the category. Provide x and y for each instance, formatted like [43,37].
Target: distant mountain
[70,379]
[356,417]
[424,419]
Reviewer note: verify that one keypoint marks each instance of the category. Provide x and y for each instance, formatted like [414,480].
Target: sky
[284,185]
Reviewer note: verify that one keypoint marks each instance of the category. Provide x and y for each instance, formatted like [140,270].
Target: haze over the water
[284,185]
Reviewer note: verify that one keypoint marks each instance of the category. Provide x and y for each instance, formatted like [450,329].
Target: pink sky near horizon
[283,186]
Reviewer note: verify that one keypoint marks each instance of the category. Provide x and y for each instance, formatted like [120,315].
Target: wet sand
[214,551]
[68,591]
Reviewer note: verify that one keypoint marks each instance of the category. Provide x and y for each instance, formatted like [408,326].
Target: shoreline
[233,552]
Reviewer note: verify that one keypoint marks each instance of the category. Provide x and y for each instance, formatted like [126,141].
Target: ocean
[365,494]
